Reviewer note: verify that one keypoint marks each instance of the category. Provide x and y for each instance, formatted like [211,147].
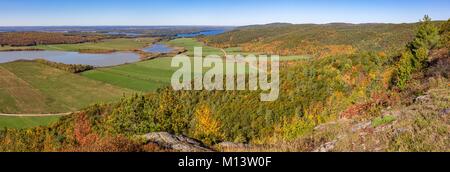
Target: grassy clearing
[121,44]
[190,43]
[25,122]
[383,120]
[294,58]
[234,50]
[30,87]
[142,76]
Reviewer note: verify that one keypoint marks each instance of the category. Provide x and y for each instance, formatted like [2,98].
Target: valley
[344,87]
[30,87]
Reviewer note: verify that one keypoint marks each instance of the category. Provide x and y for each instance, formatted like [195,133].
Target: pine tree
[427,35]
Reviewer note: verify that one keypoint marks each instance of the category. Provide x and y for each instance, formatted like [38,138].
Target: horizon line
[205,25]
[215,25]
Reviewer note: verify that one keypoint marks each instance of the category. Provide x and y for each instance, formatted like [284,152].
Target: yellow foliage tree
[206,128]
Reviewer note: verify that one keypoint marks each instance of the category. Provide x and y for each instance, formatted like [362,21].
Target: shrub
[206,128]
[420,58]
[72,68]
[403,71]
[131,117]
[445,35]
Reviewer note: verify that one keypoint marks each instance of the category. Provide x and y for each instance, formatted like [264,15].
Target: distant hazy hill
[314,39]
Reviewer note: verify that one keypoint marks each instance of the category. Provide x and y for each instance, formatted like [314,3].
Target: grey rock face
[175,142]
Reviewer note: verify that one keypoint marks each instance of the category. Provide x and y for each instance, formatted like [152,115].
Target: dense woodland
[316,40]
[45,38]
[312,92]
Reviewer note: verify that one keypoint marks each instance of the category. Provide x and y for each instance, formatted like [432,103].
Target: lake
[98,60]
[205,33]
[158,48]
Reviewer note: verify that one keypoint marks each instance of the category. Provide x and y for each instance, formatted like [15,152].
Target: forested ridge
[358,85]
[45,38]
[318,40]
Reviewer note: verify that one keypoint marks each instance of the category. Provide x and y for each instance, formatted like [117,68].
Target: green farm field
[30,87]
[147,75]
[25,122]
[190,43]
[141,76]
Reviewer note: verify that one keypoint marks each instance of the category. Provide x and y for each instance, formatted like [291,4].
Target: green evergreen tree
[427,35]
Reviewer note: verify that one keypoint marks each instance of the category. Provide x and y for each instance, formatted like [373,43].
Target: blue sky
[215,12]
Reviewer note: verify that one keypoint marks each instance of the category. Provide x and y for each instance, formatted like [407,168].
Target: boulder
[175,142]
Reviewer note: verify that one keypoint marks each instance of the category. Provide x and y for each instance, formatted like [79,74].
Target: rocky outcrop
[175,142]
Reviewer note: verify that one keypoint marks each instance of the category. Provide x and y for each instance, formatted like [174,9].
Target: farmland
[30,87]
[153,74]
[25,122]
[141,76]
[147,75]
[364,84]
[190,43]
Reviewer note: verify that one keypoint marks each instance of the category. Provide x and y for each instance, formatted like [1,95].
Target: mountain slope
[317,40]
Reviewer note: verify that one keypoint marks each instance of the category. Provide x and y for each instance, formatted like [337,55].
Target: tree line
[45,38]
[72,68]
[316,40]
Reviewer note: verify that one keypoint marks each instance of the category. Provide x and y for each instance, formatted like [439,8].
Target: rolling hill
[316,40]
[141,76]
[30,87]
